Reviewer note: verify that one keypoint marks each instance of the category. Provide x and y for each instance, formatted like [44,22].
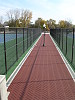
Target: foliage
[51,23]
[39,23]
[19,18]
[65,24]
[22,18]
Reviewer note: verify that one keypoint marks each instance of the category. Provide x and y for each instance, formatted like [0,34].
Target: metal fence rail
[13,43]
[65,38]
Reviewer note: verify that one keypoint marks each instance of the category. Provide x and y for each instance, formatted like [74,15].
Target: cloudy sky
[46,9]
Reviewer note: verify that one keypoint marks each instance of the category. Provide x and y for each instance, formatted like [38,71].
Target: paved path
[43,76]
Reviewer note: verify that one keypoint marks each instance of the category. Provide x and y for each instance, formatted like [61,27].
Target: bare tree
[26,16]
[10,15]
[65,24]
[52,23]
[15,16]
[1,20]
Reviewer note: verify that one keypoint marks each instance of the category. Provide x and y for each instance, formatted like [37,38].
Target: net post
[44,40]
[44,26]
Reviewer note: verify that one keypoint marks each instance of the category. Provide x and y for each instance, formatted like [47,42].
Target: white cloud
[66,10]
[5,7]
[36,15]
[62,9]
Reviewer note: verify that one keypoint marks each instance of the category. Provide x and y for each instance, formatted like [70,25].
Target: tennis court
[17,41]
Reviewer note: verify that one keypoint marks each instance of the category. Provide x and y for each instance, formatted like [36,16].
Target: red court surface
[43,76]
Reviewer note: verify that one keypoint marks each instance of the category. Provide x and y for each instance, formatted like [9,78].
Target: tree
[51,23]
[25,18]
[39,23]
[16,14]
[19,18]
[65,24]
[68,24]
[1,20]
[62,24]
[10,17]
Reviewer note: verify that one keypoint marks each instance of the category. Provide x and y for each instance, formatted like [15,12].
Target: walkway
[43,76]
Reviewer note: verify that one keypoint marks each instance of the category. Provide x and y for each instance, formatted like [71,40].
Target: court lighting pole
[44,26]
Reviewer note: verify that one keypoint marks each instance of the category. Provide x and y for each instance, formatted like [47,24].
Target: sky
[45,9]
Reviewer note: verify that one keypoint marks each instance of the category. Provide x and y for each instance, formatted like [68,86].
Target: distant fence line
[13,43]
[65,38]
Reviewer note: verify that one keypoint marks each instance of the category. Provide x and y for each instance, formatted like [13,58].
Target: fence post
[72,46]
[27,38]
[62,38]
[16,46]
[59,37]
[66,41]
[30,36]
[56,35]
[23,40]
[33,34]
[5,52]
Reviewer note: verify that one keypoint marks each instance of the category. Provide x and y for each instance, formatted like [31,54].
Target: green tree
[65,24]
[62,24]
[19,18]
[39,23]
[25,18]
[51,23]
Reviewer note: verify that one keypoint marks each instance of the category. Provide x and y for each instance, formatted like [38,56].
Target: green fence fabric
[65,38]
[13,43]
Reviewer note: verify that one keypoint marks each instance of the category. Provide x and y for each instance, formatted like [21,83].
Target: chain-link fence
[65,38]
[13,43]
